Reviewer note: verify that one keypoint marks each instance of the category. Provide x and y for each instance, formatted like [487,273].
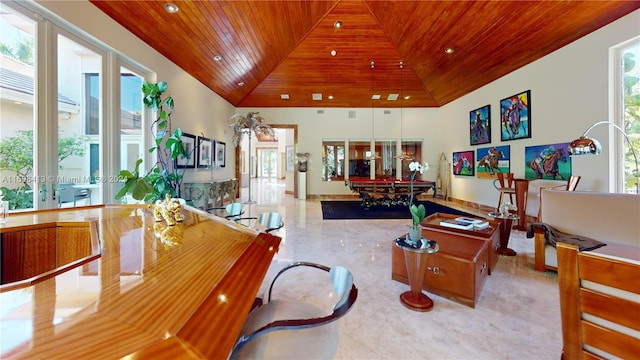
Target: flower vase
[415,234]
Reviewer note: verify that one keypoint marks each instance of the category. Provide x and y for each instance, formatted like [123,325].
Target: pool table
[388,192]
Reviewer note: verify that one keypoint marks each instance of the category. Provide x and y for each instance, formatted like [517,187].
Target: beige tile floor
[517,315]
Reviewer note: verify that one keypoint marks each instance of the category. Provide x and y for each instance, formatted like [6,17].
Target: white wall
[569,92]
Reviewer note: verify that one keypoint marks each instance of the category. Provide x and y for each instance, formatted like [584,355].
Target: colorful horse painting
[480,125]
[548,166]
[515,116]
[490,162]
[493,160]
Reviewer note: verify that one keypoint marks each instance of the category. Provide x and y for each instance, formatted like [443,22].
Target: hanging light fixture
[403,155]
[373,155]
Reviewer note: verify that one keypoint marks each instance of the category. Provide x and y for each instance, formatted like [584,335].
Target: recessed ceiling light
[217,58]
[407,97]
[448,50]
[171,8]
[330,97]
[241,84]
[284,96]
[333,53]
[337,24]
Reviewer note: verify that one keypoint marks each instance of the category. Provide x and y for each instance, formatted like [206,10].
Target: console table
[202,193]
[147,291]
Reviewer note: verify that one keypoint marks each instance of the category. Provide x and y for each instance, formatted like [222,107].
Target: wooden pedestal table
[415,257]
[506,222]
[522,189]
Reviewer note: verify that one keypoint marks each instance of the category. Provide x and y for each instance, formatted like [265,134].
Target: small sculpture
[169,236]
[169,210]
[506,208]
[302,161]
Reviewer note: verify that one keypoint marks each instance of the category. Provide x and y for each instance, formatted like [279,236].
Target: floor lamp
[589,146]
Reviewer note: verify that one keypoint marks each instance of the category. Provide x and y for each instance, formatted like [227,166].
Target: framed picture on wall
[515,116]
[189,161]
[463,163]
[480,125]
[221,154]
[290,160]
[205,151]
[549,162]
[492,160]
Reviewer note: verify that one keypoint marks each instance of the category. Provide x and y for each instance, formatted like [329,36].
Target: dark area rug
[352,210]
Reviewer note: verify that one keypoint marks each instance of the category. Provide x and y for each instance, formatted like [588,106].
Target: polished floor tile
[516,317]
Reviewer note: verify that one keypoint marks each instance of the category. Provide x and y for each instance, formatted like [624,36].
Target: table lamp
[590,146]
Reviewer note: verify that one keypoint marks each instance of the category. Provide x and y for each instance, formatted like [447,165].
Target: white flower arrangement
[418,213]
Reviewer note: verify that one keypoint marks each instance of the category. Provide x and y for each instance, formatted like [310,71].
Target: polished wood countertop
[153,291]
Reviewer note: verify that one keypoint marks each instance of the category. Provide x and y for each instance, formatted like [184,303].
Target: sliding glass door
[58,148]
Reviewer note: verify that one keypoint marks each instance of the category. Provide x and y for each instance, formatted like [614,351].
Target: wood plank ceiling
[269,48]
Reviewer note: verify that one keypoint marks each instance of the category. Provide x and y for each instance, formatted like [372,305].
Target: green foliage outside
[16,155]
[23,51]
[163,177]
[631,117]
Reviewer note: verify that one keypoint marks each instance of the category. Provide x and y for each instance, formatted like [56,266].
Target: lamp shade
[584,146]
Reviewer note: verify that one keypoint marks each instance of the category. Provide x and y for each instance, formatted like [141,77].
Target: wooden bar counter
[139,289]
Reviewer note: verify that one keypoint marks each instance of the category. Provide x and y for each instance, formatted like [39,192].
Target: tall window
[411,151]
[35,164]
[332,160]
[17,99]
[386,159]
[630,119]
[360,159]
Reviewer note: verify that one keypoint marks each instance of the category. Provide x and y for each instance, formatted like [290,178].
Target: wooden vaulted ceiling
[283,47]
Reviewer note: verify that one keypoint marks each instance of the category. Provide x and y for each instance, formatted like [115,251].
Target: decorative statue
[170,210]
[302,161]
[506,208]
[169,236]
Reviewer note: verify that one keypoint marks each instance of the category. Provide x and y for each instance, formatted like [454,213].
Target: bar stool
[505,187]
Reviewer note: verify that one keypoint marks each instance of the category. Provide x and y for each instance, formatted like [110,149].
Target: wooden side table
[506,222]
[416,261]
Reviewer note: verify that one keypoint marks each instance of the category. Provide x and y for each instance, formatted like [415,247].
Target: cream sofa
[533,194]
[611,218]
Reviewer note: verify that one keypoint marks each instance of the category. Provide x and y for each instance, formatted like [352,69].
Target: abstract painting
[550,162]
[492,160]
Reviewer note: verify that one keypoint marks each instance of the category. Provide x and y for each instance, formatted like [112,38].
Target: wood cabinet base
[456,272]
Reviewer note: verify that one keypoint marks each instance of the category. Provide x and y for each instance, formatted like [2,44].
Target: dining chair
[572,182]
[232,211]
[290,327]
[267,221]
[69,193]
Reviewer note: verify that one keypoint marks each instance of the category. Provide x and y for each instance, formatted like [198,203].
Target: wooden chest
[491,234]
[456,272]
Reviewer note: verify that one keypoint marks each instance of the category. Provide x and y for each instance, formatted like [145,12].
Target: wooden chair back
[572,183]
[599,305]
[505,184]
[505,180]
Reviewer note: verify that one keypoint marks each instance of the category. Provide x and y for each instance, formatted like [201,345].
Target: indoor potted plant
[418,212]
[163,177]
